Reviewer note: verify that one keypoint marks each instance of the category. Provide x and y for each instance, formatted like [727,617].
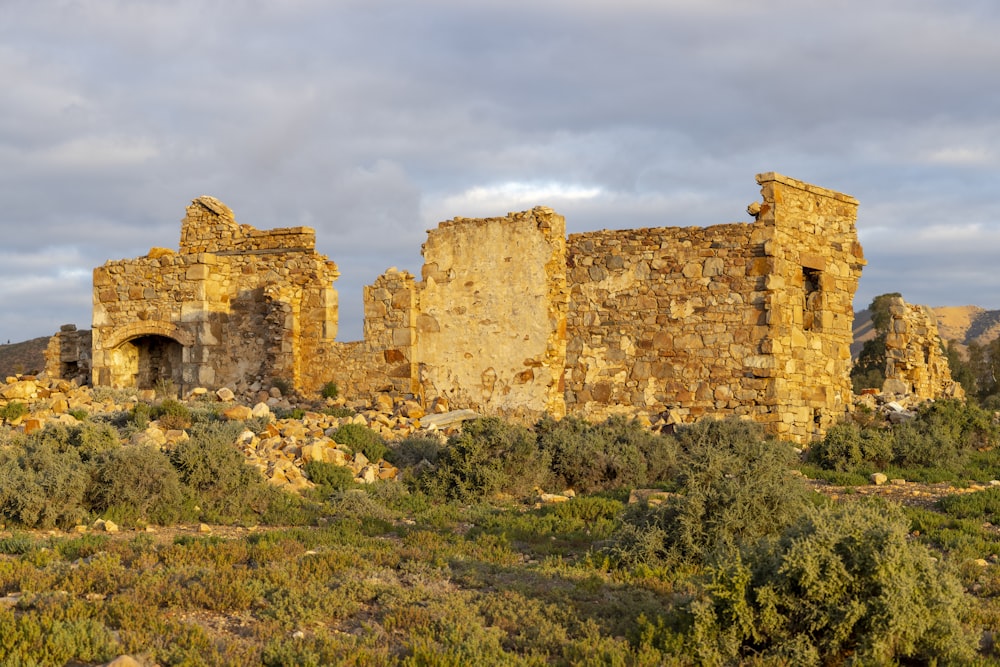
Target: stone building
[510,316]
[233,304]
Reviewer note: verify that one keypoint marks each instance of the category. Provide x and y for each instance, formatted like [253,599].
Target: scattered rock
[105,526]
[238,413]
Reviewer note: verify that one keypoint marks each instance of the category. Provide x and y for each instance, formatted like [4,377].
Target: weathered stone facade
[513,317]
[743,319]
[235,305]
[915,362]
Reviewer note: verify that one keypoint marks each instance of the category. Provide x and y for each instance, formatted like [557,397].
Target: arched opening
[148,362]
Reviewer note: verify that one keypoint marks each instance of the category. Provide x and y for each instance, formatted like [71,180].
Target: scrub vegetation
[728,556]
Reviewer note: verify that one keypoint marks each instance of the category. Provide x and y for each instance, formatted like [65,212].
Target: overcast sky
[372,121]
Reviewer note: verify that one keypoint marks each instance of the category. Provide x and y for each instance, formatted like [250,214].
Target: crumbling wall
[664,320]
[915,362]
[67,355]
[743,319]
[385,360]
[814,263]
[490,326]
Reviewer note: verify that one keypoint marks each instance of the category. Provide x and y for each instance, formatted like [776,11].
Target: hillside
[24,357]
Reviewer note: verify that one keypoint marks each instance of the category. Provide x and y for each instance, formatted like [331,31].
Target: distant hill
[26,357]
[966,324]
[962,324]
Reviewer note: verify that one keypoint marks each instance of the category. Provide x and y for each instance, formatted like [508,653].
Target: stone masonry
[234,306]
[915,362]
[512,317]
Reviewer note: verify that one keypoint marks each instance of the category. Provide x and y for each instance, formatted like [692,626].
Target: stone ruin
[916,365]
[510,315]
[67,355]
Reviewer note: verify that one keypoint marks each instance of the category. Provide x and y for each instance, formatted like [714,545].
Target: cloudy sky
[372,120]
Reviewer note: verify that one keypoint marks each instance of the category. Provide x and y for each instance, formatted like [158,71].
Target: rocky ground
[295,432]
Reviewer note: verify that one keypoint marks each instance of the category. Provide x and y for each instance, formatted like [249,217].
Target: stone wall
[742,319]
[915,362]
[490,331]
[511,317]
[663,320]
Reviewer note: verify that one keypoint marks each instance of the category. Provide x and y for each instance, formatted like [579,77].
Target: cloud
[373,121]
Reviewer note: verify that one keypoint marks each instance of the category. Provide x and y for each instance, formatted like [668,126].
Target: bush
[13,411]
[983,505]
[595,457]
[137,484]
[360,438]
[943,435]
[216,474]
[89,439]
[489,456]
[411,451]
[844,583]
[734,487]
[330,390]
[172,414]
[848,447]
[44,486]
[329,475]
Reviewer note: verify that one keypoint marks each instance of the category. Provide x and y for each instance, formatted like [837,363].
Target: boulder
[238,413]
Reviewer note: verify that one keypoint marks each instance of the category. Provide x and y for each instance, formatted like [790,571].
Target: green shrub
[330,390]
[329,475]
[13,411]
[843,584]
[89,439]
[734,487]
[848,447]
[140,415]
[412,450]
[44,486]
[595,457]
[133,484]
[339,412]
[172,414]
[216,474]
[489,456]
[943,434]
[360,438]
[79,414]
[983,505]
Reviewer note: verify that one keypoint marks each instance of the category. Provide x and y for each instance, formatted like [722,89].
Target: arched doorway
[148,362]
